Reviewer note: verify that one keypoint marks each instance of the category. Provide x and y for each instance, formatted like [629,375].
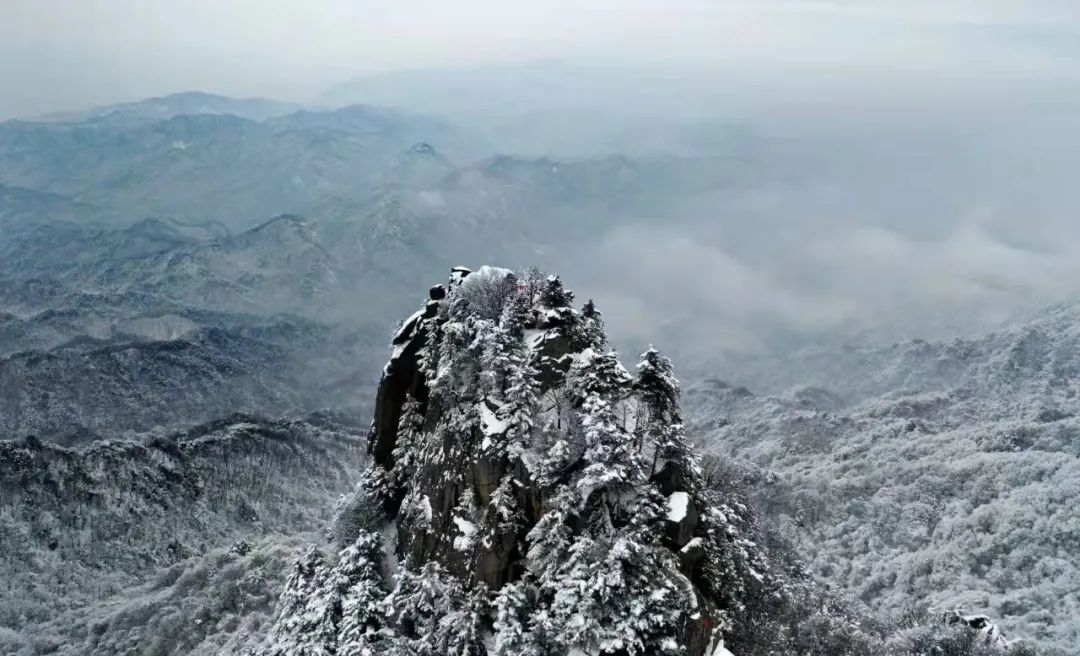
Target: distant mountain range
[176,104]
[219,166]
[149,235]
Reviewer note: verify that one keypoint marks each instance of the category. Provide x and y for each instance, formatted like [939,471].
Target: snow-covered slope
[80,527]
[943,473]
[90,387]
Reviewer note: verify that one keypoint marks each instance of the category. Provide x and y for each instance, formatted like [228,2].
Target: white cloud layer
[67,55]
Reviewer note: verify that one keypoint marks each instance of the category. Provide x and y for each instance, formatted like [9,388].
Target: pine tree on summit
[592,329]
[554,295]
[661,423]
[598,382]
[658,387]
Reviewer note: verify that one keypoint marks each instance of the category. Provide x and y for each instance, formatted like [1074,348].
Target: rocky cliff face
[527,495]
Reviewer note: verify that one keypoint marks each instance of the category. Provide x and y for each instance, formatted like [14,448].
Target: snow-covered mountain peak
[527,493]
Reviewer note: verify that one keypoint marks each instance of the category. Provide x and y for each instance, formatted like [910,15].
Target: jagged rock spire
[517,491]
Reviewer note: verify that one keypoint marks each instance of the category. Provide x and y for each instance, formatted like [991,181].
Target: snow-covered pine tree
[592,328]
[359,629]
[730,569]
[410,442]
[304,622]
[660,424]
[611,463]
[554,295]
[329,610]
[532,520]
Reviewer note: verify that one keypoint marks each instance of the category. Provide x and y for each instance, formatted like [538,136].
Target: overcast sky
[58,55]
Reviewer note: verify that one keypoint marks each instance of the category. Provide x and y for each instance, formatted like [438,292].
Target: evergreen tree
[521,394]
[661,425]
[599,383]
[658,387]
[517,613]
[554,295]
[592,327]
[727,561]
[360,632]
[434,615]
[305,617]
[409,445]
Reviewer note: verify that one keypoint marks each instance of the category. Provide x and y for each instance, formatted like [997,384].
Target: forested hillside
[80,529]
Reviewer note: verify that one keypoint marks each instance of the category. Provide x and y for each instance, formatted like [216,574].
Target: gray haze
[890,168]
[70,55]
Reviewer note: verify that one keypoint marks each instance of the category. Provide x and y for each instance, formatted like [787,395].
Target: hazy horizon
[100,52]
[893,168]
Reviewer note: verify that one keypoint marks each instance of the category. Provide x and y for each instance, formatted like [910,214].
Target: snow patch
[551,316]
[464,541]
[490,424]
[535,337]
[529,460]
[716,647]
[692,544]
[677,503]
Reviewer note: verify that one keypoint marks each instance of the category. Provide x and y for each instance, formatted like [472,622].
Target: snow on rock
[489,420]
[458,274]
[464,525]
[718,649]
[986,628]
[407,326]
[482,276]
[677,503]
[490,423]
[464,541]
[691,545]
[535,338]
